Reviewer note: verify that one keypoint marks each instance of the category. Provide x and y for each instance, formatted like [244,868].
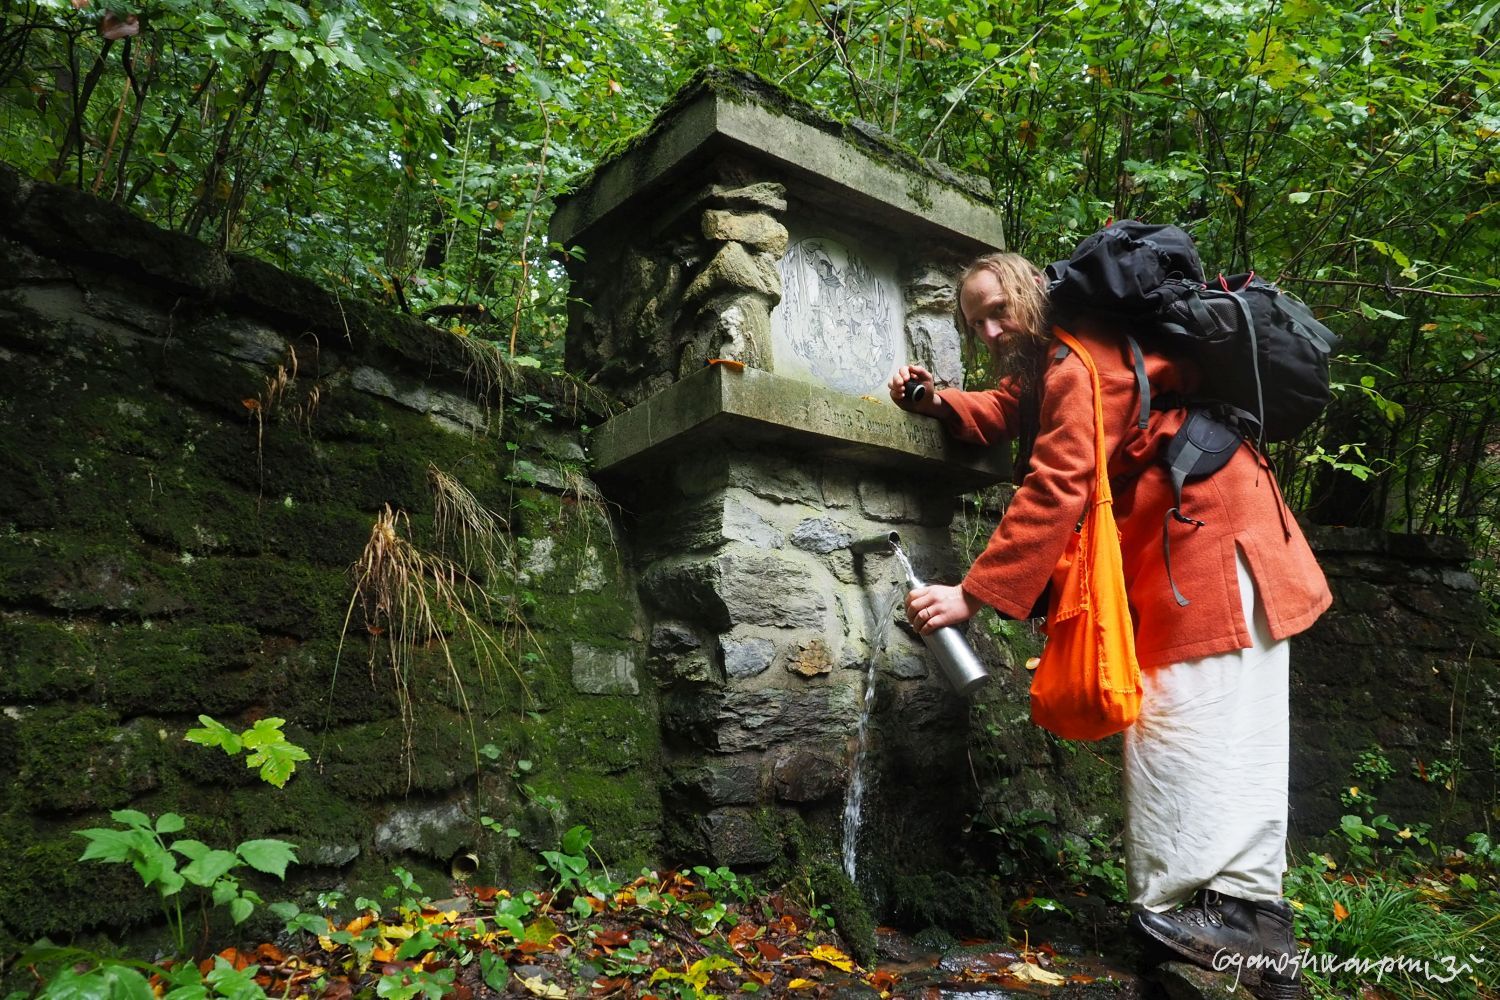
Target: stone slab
[720,407]
[725,112]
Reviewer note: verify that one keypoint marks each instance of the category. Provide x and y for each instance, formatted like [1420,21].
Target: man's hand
[930,406]
[936,606]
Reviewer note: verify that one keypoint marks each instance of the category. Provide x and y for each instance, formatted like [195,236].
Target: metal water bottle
[962,669]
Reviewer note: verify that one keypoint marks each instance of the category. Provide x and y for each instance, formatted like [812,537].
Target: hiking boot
[1212,931]
[1280,970]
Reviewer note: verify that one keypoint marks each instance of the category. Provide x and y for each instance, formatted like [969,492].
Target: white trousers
[1206,773]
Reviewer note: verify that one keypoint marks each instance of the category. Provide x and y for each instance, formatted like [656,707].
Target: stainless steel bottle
[961,668]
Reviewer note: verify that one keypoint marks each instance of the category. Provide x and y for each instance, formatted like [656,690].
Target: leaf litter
[656,938]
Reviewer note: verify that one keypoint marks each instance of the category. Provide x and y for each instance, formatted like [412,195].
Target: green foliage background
[411,151]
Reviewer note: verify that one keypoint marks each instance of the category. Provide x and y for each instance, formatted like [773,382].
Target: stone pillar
[815,258]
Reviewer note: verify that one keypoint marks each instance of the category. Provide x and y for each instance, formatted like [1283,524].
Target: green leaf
[191,849]
[132,818]
[577,839]
[279,40]
[207,870]
[263,733]
[269,856]
[284,909]
[232,985]
[1299,197]
[494,970]
[156,866]
[108,845]
[418,944]
[225,890]
[214,734]
[169,823]
[240,908]
[110,981]
[277,761]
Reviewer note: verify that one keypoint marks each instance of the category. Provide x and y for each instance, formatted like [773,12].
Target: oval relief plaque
[838,318]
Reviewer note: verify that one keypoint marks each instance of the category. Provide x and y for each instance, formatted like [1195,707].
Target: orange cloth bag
[1088,683]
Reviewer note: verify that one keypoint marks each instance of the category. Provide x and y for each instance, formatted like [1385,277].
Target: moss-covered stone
[273,595]
[381,760]
[187,670]
[71,759]
[82,573]
[46,891]
[43,660]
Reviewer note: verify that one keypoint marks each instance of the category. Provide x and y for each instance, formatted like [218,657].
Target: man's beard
[1018,358]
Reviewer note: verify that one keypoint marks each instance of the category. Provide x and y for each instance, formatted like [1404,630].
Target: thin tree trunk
[73,138]
[209,201]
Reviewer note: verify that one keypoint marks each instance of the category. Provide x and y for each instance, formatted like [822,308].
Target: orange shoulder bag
[1088,683]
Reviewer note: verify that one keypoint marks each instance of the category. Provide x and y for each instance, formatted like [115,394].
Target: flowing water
[854,797]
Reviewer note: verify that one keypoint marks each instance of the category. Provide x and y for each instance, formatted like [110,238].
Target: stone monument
[751,274]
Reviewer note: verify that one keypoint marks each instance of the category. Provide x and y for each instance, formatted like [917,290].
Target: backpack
[1128,267]
[1262,353]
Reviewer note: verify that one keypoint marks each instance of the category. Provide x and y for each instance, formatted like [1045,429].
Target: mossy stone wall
[195,449]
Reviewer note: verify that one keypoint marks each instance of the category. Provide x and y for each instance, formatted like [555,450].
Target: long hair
[1020,280]
[1024,360]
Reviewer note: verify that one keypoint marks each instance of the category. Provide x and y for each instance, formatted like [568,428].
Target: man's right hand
[930,404]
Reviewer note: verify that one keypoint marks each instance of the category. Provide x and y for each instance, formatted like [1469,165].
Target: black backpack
[1261,350]
[1262,353]
[1127,267]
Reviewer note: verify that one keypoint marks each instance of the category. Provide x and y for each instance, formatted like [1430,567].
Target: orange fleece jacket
[1240,505]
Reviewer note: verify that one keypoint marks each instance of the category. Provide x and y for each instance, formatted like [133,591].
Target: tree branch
[1392,289]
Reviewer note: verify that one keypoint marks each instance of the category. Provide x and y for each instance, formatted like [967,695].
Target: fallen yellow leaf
[541,988]
[1028,973]
[834,957]
[801,984]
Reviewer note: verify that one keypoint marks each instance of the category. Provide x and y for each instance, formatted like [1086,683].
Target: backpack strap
[1260,395]
[1138,359]
[1203,445]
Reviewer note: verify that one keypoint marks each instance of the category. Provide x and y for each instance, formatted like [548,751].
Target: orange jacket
[1240,505]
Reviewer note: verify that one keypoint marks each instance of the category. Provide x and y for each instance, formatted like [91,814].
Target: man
[1206,762]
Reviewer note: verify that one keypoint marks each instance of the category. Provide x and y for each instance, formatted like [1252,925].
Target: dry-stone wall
[1405,669]
[195,447]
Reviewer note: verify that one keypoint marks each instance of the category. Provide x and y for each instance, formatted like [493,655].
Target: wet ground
[991,970]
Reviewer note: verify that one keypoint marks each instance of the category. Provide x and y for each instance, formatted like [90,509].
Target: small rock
[1188,982]
[754,230]
[820,535]
[811,659]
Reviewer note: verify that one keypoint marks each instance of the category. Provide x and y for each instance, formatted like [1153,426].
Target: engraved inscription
[837,315]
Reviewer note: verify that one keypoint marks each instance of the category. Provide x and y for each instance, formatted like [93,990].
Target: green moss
[69,759]
[42,660]
[811,869]
[623,810]
[182,669]
[372,761]
[272,595]
[76,572]
[964,902]
[46,890]
[310,689]
[307,811]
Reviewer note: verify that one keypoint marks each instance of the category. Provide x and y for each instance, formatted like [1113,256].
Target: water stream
[854,796]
